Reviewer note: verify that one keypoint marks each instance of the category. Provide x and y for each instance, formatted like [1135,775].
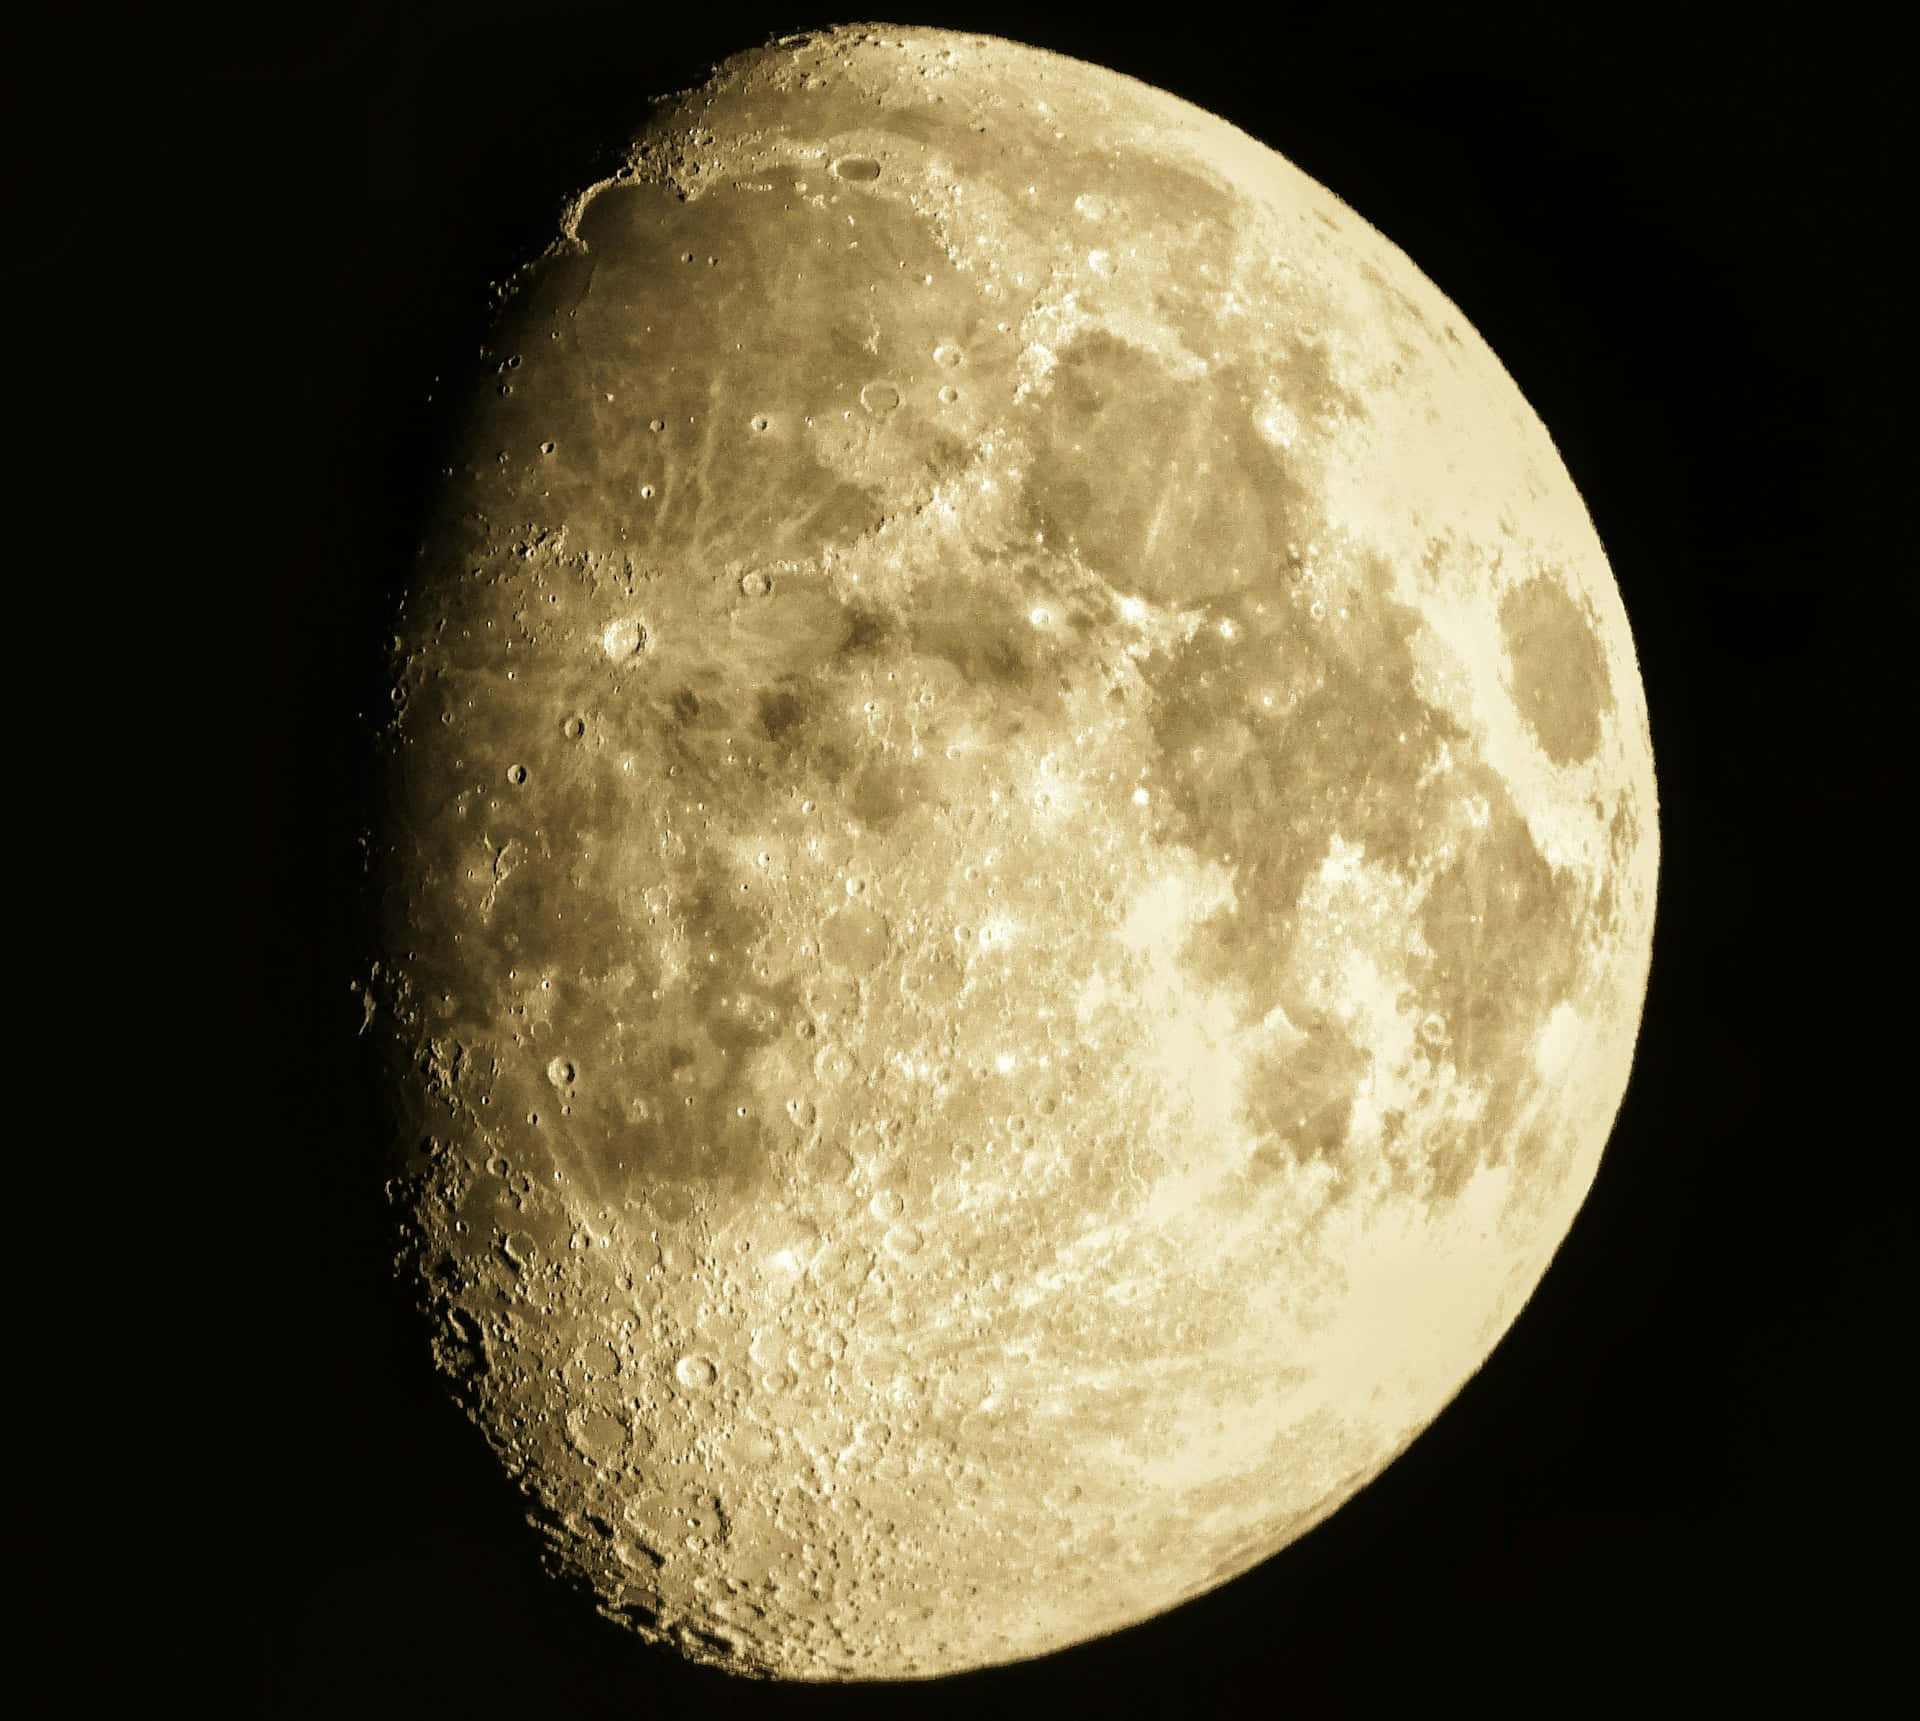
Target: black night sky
[1668,1485]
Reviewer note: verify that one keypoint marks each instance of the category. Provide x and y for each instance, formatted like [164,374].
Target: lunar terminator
[1019,866]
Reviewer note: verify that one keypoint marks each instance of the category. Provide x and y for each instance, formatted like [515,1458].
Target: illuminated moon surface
[1019,870]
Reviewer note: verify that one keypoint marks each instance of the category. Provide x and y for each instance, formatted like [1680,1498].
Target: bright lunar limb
[1019,866]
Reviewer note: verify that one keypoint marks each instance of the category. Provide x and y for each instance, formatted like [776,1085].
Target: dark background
[1679,1478]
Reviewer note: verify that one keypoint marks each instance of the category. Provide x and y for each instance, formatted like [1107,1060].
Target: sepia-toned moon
[1019,863]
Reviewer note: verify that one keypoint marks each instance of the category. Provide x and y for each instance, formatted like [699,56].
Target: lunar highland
[1019,866]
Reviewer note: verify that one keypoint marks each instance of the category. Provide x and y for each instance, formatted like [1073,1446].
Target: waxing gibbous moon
[1019,865]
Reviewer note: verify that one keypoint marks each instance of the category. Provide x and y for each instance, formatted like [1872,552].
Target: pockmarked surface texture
[1020,863]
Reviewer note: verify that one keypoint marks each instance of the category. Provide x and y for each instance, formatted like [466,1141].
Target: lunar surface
[1019,863]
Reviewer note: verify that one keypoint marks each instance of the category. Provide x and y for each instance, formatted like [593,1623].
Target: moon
[1018,862]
